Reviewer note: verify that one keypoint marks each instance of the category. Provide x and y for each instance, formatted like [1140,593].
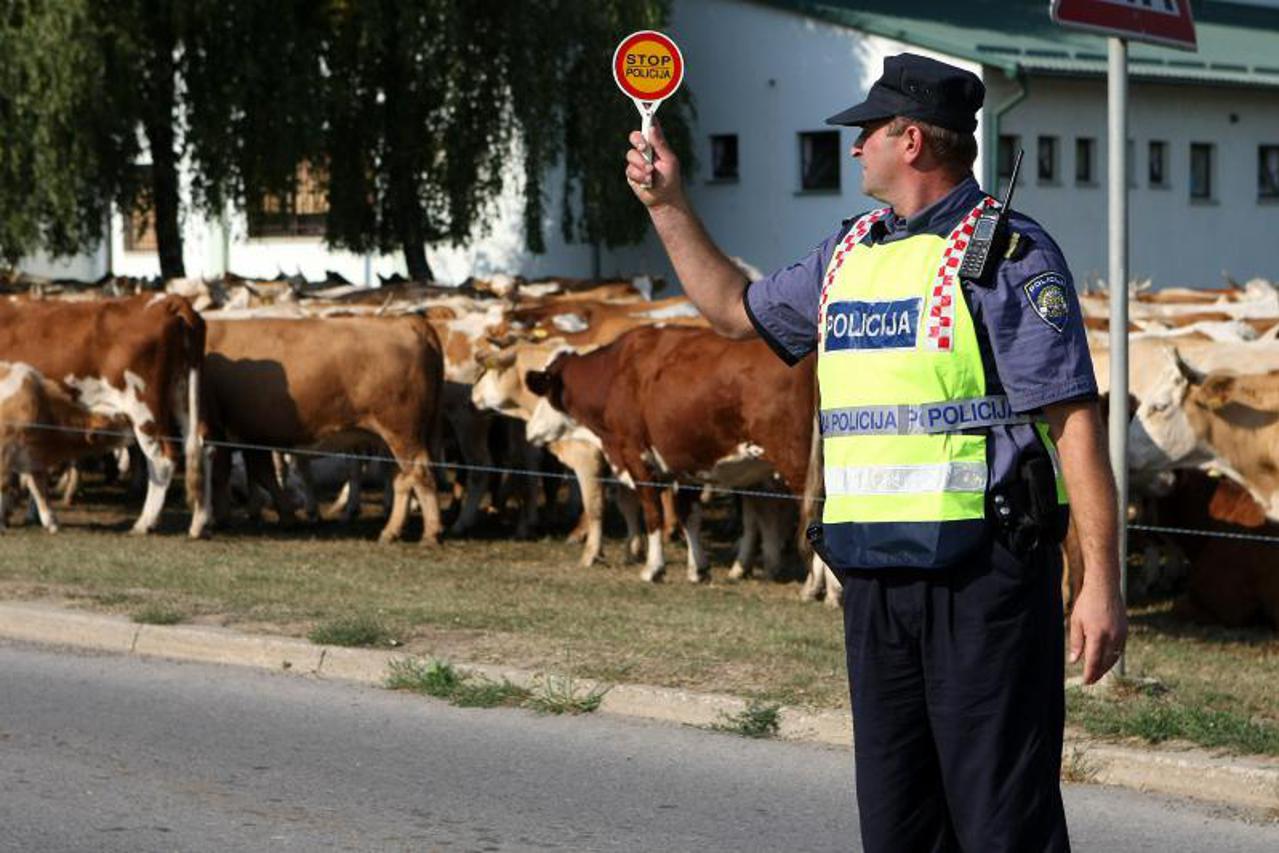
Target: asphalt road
[123,754]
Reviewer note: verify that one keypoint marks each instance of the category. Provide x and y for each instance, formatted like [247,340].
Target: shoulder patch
[1047,295]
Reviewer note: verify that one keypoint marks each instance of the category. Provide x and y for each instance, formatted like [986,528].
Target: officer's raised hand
[656,183]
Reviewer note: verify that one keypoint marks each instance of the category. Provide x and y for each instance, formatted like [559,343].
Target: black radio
[988,233]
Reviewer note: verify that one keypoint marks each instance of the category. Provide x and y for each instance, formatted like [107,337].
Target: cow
[333,384]
[138,358]
[684,405]
[1192,419]
[41,426]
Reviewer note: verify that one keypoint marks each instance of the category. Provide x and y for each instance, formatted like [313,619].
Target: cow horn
[1194,377]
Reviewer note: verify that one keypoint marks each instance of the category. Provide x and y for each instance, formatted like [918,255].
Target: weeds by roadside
[549,695]
[444,681]
[1077,768]
[158,614]
[757,720]
[364,631]
[556,694]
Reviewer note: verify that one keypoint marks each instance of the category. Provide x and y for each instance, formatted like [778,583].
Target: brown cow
[686,405]
[332,384]
[138,358]
[42,426]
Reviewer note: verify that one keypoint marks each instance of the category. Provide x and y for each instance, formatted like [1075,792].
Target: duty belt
[921,419]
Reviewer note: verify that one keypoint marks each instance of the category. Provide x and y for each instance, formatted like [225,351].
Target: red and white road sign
[648,66]
[1166,22]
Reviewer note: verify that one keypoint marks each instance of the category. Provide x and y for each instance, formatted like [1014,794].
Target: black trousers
[956,679]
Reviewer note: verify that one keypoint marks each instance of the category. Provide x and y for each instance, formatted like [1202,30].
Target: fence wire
[466,467]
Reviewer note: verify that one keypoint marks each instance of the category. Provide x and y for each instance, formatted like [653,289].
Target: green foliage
[352,631]
[1158,716]
[563,694]
[158,614]
[757,720]
[442,680]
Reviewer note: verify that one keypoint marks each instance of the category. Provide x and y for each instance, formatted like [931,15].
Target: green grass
[563,694]
[364,631]
[444,681]
[158,614]
[756,720]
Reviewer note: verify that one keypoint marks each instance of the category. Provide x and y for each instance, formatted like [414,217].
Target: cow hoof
[834,600]
[431,540]
[52,528]
[738,572]
[387,538]
[653,575]
[135,530]
[808,593]
[700,576]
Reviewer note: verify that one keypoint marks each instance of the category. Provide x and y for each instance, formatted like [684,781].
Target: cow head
[1162,436]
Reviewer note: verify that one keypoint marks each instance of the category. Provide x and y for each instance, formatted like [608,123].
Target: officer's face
[873,148]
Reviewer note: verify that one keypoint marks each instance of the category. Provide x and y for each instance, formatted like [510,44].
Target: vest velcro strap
[906,479]
[922,419]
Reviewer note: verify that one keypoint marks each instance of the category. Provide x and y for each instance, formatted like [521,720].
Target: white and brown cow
[333,384]
[137,358]
[684,405]
[42,426]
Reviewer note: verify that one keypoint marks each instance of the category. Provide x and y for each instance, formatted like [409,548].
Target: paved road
[122,754]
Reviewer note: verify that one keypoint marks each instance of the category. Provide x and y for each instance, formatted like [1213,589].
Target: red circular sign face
[648,66]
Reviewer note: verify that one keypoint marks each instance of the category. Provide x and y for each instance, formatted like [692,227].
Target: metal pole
[1117,124]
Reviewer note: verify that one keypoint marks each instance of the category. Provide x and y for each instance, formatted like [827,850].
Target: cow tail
[814,487]
[197,424]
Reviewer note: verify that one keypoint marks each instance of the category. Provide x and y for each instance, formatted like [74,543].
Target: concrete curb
[1250,783]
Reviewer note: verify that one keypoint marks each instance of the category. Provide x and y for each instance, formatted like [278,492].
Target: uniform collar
[939,218]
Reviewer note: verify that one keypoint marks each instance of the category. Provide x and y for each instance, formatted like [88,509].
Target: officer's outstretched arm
[1098,621]
[710,279]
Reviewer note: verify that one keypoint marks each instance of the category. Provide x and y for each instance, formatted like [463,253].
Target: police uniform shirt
[1029,324]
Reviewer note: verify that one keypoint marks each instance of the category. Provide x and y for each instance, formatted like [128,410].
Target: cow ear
[1216,390]
[1233,504]
[539,382]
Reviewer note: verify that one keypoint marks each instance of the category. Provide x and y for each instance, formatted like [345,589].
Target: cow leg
[68,485]
[628,503]
[834,589]
[750,538]
[651,502]
[306,478]
[347,504]
[35,486]
[471,428]
[815,583]
[670,515]
[773,516]
[689,509]
[530,485]
[587,464]
[220,483]
[159,475]
[186,413]
[260,468]
[414,477]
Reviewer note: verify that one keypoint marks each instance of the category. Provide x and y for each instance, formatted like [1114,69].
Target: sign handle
[646,110]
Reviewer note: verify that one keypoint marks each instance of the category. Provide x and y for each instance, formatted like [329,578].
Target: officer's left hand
[1098,629]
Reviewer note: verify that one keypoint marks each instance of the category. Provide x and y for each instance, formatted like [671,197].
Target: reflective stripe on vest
[906,479]
[947,416]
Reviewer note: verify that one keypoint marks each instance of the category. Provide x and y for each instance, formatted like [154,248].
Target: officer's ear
[914,143]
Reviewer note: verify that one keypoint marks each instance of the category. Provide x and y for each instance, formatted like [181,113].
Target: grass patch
[363,631]
[1155,718]
[442,680]
[757,720]
[158,614]
[563,694]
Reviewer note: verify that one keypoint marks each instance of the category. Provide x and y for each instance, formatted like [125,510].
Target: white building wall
[1173,240]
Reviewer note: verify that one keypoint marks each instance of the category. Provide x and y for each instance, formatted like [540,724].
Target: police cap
[917,87]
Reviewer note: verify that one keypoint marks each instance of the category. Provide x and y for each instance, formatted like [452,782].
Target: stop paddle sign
[648,67]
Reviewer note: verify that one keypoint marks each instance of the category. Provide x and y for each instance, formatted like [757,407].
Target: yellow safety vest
[904,404]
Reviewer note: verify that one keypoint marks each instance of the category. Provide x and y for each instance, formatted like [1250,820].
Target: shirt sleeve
[783,306]
[1035,327]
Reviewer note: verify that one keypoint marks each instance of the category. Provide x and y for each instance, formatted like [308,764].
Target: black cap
[915,86]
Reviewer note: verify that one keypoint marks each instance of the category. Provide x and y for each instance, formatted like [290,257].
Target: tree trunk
[415,260]
[157,121]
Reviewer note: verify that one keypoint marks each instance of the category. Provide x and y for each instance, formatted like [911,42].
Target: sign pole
[1117,124]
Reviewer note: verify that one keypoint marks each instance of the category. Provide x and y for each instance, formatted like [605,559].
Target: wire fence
[465,467]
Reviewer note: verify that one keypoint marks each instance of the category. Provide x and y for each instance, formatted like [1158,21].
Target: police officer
[955,415]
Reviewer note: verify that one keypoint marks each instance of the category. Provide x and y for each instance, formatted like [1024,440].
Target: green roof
[1238,44]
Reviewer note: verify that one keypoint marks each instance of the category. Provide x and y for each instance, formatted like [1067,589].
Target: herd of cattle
[618,387]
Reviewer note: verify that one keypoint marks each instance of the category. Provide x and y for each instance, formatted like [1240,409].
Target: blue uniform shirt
[1034,351]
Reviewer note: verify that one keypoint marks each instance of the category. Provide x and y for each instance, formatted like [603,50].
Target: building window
[1158,164]
[1085,154]
[1268,172]
[139,223]
[1201,170]
[724,157]
[1130,163]
[819,160]
[1047,159]
[298,213]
